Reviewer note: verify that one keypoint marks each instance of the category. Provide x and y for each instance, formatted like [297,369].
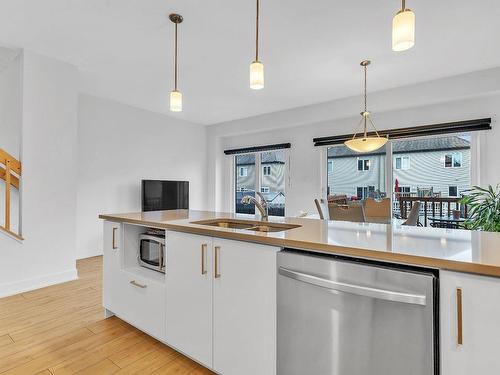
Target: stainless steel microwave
[152,252]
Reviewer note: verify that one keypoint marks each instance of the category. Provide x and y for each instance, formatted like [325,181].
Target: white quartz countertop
[451,249]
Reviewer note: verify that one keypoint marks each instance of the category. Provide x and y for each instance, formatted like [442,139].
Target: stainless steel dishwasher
[338,316]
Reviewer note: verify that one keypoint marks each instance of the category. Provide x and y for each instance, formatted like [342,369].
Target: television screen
[164,195]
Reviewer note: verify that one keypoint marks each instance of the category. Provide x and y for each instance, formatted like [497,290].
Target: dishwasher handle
[388,295]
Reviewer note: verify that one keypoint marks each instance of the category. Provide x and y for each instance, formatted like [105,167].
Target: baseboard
[37,282]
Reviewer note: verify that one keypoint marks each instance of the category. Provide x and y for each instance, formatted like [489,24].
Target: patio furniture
[446,222]
[338,199]
[344,212]
[322,210]
[412,219]
[377,210]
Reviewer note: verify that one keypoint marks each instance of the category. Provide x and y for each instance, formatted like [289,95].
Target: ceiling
[311,49]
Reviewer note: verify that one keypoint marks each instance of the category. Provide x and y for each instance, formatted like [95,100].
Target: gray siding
[345,177]
[426,170]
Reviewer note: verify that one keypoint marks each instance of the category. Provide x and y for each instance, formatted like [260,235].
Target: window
[404,189]
[330,166]
[363,192]
[452,191]
[402,162]
[453,160]
[262,172]
[363,165]
[243,171]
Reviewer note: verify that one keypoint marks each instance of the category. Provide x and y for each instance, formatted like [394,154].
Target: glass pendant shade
[366,144]
[256,75]
[403,30]
[176,101]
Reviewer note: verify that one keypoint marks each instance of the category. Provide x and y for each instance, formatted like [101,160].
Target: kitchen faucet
[261,206]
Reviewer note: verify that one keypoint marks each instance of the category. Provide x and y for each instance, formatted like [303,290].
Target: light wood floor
[61,330]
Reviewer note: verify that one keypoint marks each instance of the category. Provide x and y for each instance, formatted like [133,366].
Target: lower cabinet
[129,292]
[221,303]
[189,295]
[470,324]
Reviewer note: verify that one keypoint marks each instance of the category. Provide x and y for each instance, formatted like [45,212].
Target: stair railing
[10,172]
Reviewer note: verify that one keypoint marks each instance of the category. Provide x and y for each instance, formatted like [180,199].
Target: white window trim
[452,159]
[401,157]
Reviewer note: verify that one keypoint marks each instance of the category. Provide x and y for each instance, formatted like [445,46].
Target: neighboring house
[440,164]
[272,174]
[272,184]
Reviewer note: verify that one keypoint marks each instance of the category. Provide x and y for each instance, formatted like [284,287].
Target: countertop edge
[415,260]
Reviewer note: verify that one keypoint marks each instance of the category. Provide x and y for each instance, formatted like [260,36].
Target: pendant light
[175,95]
[403,29]
[367,143]
[256,67]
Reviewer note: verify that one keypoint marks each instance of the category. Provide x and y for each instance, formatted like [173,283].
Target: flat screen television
[164,195]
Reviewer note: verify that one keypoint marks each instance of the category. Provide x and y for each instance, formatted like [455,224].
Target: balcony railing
[431,206]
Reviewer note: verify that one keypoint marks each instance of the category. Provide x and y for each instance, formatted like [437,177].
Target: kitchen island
[217,301]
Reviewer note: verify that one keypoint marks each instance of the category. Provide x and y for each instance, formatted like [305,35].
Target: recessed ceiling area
[311,49]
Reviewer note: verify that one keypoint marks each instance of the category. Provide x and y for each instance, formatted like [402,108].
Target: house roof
[267,158]
[409,145]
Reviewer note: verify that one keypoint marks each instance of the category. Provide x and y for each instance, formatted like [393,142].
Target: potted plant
[483,206]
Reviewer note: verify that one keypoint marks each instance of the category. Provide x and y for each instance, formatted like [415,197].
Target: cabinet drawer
[142,304]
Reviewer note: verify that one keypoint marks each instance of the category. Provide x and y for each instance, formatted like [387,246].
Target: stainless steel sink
[256,226]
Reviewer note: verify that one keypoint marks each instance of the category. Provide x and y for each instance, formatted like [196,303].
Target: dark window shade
[415,131]
[248,150]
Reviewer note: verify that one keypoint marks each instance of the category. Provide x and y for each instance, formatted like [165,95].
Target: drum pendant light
[366,143]
[175,95]
[256,67]
[403,29]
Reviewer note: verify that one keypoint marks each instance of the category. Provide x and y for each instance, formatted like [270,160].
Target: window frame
[240,169]
[258,176]
[452,156]
[402,158]
[456,190]
[365,164]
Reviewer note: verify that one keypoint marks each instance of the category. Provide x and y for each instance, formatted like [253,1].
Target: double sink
[256,226]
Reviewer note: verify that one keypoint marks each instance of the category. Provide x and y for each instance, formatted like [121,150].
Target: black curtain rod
[248,150]
[415,131]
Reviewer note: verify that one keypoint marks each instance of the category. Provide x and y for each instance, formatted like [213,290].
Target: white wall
[469,96]
[48,154]
[10,126]
[119,145]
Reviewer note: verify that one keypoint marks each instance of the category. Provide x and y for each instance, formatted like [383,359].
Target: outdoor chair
[351,212]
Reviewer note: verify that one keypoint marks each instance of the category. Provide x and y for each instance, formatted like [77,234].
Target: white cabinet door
[112,265]
[244,308]
[189,294]
[479,352]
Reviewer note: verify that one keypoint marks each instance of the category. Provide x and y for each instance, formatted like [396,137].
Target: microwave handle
[162,256]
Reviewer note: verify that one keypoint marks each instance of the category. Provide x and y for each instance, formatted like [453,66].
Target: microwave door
[150,252]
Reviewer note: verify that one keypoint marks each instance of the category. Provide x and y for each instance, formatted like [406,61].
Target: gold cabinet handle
[114,239]
[216,262]
[135,283]
[460,334]
[203,252]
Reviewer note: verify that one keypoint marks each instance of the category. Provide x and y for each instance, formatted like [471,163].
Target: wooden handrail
[12,165]
[15,165]
[14,181]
